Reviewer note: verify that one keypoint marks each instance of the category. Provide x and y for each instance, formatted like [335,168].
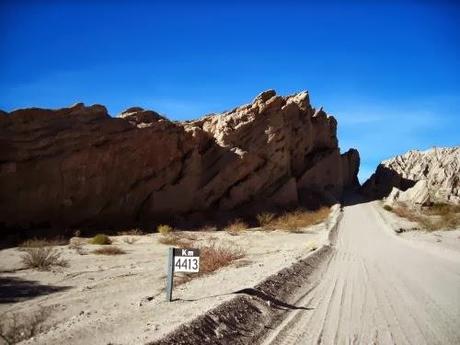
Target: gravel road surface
[377,288]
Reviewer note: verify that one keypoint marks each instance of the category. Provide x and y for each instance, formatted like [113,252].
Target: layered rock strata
[79,166]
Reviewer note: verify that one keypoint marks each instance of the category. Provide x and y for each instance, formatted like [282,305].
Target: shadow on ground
[13,289]
[274,302]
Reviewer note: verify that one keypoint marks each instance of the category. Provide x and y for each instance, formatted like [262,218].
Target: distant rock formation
[78,166]
[418,177]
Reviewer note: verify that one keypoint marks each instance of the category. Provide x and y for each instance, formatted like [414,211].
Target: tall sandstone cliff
[418,177]
[78,166]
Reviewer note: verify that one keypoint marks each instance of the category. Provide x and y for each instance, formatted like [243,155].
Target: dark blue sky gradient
[390,73]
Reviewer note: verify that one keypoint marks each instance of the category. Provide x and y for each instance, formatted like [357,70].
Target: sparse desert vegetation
[101,239]
[174,239]
[132,267]
[43,242]
[293,221]
[42,258]
[109,250]
[164,229]
[236,226]
[215,256]
[430,218]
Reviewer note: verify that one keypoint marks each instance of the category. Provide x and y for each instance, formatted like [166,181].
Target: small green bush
[164,229]
[101,239]
[388,208]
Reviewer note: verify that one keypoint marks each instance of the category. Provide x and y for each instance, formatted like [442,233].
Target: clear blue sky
[389,73]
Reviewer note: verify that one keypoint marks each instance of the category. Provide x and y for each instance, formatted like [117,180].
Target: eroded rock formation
[78,166]
[418,177]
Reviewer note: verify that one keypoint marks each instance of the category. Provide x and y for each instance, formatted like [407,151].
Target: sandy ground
[120,299]
[380,288]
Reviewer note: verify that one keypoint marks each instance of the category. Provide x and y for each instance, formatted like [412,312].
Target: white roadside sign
[186,260]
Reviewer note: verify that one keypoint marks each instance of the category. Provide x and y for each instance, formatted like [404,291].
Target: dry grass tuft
[265,218]
[236,227]
[43,242]
[164,229]
[433,218]
[442,209]
[13,330]
[42,258]
[110,250]
[175,240]
[295,221]
[213,257]
[404,212]
[101,239]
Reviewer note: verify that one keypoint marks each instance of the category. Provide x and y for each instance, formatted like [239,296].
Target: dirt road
[377,289]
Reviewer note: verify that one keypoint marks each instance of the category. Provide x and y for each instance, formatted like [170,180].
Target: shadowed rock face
[418,177]
[79,166]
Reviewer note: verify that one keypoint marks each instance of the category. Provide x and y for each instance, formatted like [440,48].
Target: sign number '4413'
[186,260]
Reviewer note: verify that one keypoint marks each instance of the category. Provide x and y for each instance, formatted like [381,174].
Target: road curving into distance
[377,288]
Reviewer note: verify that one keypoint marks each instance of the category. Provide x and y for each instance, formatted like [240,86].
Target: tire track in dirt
[377,289]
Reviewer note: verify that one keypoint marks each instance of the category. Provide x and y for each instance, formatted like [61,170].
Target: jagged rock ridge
[418,177]
[77,165]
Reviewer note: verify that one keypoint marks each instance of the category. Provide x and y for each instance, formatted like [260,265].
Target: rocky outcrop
[418,177]
[79,166]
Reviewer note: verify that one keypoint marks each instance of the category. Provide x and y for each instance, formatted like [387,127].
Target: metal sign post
[170,276]
[180,260]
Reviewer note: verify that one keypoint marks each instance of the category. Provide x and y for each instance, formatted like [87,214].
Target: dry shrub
[164,229]
[110,250]
[265,218]
[213,256]
[131,232]
[130,240]
[296,220]
[42,258]
[388,208]
[14,329]
[77,245]
[436,217]
[43,242]
[402,211]
[442,209]
[175,239]
[101,239]
[236,227]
